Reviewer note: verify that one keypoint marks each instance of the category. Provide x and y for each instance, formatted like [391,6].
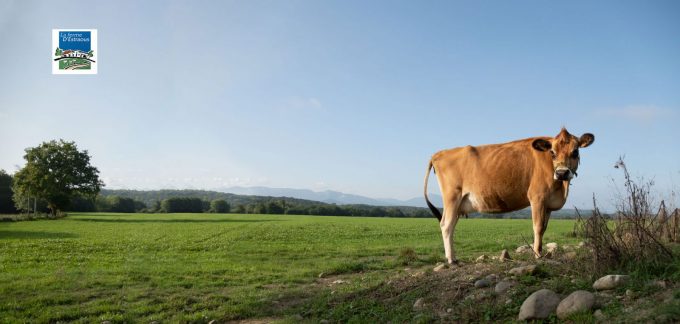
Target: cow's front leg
[540,222]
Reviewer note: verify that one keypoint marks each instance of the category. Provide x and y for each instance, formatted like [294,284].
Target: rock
[525,270]
[503,286]
[550,262]
[581,244]
[505,256]
[449,310]
[298,317]
[492,277]
[610,282]
[551,247]
[550,255]
[599,315]
[524,249]
[321,275]
[419,303]
[211,322]
[539,305]
[508,301]
[569,256]
[482,258]
[339,282]
[441,267]
[577,301]
[482,283]
[324,321]
[418,274]
[658,284]
[630,293]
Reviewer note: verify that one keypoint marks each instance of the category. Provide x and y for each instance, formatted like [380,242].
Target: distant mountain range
[330,196]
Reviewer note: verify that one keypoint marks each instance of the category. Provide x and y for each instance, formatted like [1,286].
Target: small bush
[635,236]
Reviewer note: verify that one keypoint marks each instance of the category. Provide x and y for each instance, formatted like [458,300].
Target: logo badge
[74,51]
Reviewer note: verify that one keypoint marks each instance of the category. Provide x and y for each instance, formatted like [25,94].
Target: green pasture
[92,267]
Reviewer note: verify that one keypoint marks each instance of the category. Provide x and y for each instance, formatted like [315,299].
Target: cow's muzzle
[563,174]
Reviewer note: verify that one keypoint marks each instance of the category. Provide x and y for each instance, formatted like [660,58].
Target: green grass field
[93,267]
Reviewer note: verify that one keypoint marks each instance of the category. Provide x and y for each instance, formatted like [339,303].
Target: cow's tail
[434,209]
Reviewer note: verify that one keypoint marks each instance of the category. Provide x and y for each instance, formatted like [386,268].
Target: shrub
[635,235]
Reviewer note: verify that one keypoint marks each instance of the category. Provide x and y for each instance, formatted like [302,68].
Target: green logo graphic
[74,59]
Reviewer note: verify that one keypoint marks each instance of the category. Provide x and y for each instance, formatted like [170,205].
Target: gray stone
[610,282]
[503,286]
[505,256]
[577,301]
[419,303]
[298,317]
[599,315]
[630,293]
[482,283]
[539,305]
[525,270]
[449,310]
[492,277]
[658,284]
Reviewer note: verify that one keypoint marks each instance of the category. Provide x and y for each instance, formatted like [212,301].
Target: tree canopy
[56,171]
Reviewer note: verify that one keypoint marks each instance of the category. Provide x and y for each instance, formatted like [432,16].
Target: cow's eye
[574,154]
[553,154]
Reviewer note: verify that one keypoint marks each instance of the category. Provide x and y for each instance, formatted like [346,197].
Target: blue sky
[352,96]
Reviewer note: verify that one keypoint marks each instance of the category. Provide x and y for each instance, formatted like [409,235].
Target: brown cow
[501,178]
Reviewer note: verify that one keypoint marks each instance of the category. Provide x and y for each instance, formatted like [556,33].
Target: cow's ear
[586,139]
[541,145]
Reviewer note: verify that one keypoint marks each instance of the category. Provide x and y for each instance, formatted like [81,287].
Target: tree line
[58,177]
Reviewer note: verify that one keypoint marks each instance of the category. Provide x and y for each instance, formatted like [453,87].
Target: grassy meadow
[93,267]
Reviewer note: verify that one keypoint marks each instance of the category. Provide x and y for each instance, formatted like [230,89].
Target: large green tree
[56,171]
[6,203]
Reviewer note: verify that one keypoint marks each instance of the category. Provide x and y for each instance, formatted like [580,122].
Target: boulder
[525,270]
[539,305]
[610,282]
[577,301]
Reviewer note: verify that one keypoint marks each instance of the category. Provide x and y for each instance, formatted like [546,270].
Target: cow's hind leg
[448,224]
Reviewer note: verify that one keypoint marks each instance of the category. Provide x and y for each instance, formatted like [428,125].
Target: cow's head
[563,149]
